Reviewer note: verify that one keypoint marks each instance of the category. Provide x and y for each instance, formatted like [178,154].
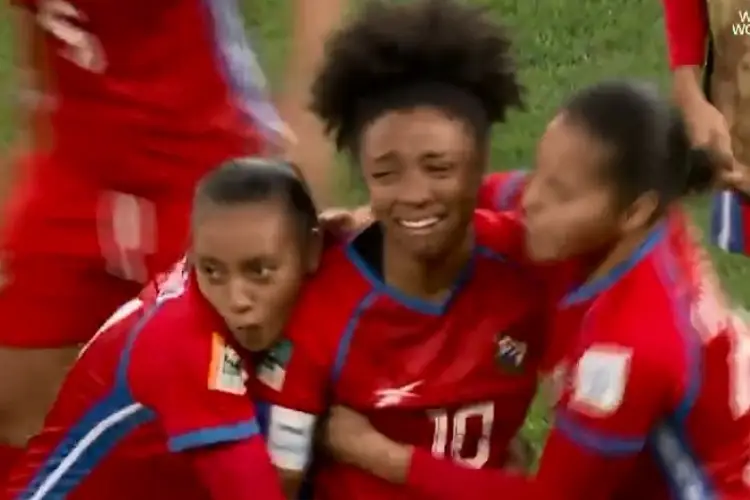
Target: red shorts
[74,251]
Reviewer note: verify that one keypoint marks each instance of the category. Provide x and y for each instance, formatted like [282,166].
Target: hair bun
[702,169]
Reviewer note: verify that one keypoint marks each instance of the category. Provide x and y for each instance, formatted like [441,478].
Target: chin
[428,251]
[540,252]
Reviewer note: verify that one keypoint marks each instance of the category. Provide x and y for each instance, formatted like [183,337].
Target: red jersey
[455,377]
[686,26]
[502,191]
[155,386]
[655,401]
[152,93]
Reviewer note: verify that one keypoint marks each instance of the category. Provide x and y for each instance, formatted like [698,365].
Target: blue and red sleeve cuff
[606,444]
[730,222]
[208,436]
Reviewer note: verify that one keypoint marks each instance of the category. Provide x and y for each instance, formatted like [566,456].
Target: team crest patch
[510,354]
[272,370]
[226,373]
[600,380]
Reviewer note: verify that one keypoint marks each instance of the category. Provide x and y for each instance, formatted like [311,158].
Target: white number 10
[452,443]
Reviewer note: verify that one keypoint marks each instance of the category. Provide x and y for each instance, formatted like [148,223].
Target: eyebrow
[429,155]
[433,155]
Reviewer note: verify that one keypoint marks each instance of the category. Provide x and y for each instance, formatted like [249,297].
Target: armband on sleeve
[291,434]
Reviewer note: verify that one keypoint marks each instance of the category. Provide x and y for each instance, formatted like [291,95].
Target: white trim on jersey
[83,444]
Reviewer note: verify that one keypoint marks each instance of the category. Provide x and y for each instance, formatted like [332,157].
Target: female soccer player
[158,404]
[422,321]
[142,98]
[655,384]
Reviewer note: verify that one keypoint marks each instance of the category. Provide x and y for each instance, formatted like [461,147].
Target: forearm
[311,150]
[441,479]
[32,101]
[686,86]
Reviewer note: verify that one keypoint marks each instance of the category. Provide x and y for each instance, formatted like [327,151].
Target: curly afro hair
[393,47]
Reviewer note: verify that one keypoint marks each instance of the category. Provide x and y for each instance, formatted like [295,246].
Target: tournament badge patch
[601,378]
[510,354]
[272,370]
[226,372]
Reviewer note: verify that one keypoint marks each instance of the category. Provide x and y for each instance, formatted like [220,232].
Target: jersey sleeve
[614,399]
[599,429]
[686,27]
[502,190]
[237,471]
[196,389]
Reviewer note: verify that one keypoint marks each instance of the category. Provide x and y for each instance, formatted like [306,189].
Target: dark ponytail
[702,170]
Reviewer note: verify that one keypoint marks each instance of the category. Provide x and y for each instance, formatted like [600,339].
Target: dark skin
[251,273]
[420,166]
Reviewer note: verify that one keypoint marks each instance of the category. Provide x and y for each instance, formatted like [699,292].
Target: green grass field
[561,45]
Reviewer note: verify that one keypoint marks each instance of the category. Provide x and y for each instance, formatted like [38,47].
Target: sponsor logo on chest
[226,372]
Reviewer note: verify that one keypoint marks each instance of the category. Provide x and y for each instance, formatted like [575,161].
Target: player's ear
[314,251]
[640,213]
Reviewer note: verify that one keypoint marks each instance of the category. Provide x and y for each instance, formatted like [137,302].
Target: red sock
[8,457]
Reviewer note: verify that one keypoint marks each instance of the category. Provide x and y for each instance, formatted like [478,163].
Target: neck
[426,279]
[621,252]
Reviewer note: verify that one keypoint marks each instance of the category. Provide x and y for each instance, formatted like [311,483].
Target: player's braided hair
[398,55]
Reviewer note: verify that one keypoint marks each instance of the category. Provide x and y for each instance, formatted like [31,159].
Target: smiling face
[422,174]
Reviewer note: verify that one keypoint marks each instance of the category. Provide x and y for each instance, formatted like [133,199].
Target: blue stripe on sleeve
[596,441]
[214,435]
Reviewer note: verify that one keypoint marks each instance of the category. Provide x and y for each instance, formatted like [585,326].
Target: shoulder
[645,322]
[502,190]
[330,297]
[501,234]
[171,346]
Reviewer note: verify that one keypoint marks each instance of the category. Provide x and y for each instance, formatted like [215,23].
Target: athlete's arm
[686,27]
[28,106]
[32,99]
[240,470]
[598,432]
[197,390]
[310,148]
